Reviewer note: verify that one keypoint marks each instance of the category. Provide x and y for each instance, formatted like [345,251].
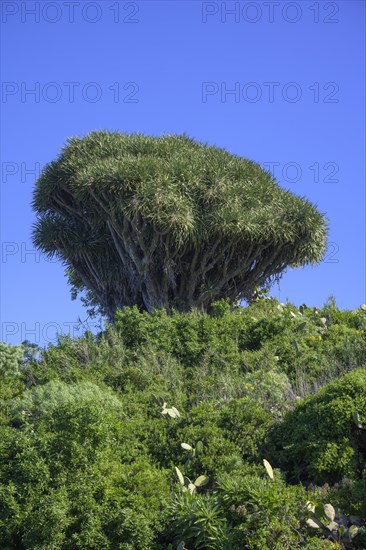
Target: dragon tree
[168,222]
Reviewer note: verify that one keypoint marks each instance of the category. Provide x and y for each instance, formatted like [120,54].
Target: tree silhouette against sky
[169,222]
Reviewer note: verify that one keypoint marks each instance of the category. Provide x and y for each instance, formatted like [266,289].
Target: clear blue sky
[277,82]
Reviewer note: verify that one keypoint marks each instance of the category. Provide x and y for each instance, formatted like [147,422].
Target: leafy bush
[266,512]
[315,441]
[74,475]
[246,510]
[88,447]
[11,361]
[199,522]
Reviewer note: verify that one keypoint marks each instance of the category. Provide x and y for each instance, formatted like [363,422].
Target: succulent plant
[268,468]
[188,485]
[165,411]
[334,524]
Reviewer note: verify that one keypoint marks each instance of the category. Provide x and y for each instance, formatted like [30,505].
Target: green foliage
[315,441]
[203,424]
[246,424]
[267,513]
[11,358]
[200,522]
[168,222]
[95,429]
[350,494]
[43,401]
[246,510]
[335,525]
[11,381]
[70,463]
[214,357]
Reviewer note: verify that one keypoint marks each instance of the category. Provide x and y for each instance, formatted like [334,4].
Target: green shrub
[266,512]
[315,442]
[200,522]
[74,475]
[11,383]
[246,424]
[246,510]
[230,432]
[209,354]
[87,458]
[202,423]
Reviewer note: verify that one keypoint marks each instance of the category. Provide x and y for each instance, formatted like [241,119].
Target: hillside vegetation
[243,429]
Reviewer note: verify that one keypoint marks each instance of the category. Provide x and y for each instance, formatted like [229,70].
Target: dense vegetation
[168,222]
[161,432]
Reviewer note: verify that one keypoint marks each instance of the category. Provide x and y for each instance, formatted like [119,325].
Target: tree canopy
[169,222]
